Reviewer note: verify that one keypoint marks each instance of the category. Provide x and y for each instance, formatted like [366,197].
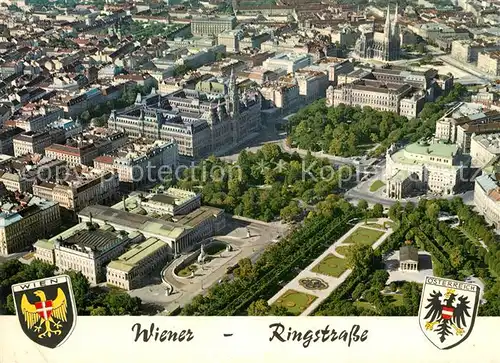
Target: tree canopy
[265,185]
[348,131]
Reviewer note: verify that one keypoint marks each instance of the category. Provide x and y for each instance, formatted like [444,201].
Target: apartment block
[463,121]
[204,26]
[18,174]
[487,197]
[489,62]
[79,189]
[7,135]
[141,161]
[22,222]
[31,142]
[484,149]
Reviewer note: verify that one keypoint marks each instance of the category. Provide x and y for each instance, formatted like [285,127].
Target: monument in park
[408,259]
[202,256]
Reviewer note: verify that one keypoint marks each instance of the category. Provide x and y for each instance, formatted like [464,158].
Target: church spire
[387,26]
[396,25]
[233,94]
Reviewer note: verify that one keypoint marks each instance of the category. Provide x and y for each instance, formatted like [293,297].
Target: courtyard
[194,278]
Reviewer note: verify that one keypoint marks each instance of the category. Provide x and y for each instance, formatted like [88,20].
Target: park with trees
[456,253]
[248,291]
[98,115]
[350,131]
[265,185]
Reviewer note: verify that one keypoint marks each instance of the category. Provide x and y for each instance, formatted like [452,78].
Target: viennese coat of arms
[46,309]
[448,310]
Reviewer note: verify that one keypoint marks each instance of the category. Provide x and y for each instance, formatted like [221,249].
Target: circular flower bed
[313,283]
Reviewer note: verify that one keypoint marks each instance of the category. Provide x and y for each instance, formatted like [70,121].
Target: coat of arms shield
[448,310]
[46,309]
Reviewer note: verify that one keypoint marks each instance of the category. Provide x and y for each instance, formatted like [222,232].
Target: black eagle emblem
[446,315]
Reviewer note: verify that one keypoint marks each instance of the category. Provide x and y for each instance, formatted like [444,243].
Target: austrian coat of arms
[448,310]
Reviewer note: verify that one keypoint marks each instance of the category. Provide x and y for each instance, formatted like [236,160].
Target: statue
[202,255]
[329,96]
[248,233]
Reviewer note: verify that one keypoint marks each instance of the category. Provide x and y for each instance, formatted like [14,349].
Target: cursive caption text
[327,334]
[156,335]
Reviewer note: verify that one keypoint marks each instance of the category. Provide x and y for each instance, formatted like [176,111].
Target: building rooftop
[136,254]
[197,216]
[413,154]
[95,239]
[487,182]
[491,142]
[146,224]
[437,149]
[13,211]
[408,253]
[494,54]
[45,244]
[134,152]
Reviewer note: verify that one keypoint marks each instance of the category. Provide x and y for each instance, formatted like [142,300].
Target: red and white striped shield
[447,312]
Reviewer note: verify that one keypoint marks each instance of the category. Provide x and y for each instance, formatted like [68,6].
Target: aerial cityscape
[250,158]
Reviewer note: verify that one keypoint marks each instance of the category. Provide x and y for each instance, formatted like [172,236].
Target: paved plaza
[185,289]
[320,278]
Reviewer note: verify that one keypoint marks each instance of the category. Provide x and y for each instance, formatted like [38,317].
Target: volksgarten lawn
[363,235]
[296,302]
[331,265]
[342,250]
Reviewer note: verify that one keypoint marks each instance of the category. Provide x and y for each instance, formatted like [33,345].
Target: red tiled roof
[495,194]
[104,159]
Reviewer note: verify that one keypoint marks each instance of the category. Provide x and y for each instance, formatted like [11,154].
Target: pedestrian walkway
[332,282]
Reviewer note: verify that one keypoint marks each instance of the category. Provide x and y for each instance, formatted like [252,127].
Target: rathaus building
[384,46]
[201,123]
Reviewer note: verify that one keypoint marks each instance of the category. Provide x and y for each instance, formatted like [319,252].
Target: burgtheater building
[436,167]
[201,123]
